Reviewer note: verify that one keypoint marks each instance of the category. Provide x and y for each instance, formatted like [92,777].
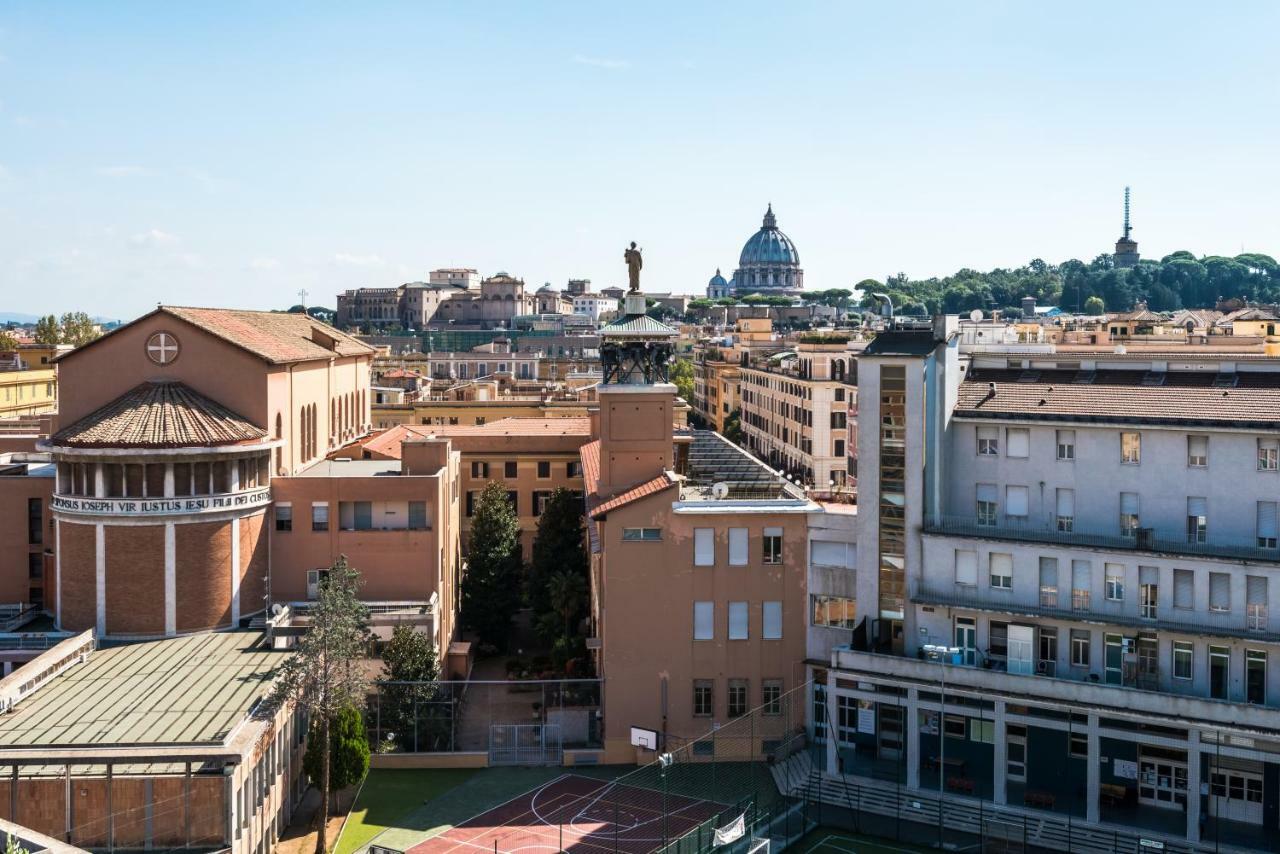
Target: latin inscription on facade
[162,506]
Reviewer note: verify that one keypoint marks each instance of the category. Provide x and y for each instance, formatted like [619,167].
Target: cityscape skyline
[224,175]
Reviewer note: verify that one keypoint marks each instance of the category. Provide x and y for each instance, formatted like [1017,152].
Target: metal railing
[1145,540]
[978,598]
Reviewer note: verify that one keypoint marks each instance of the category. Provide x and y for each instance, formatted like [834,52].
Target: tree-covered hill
[1179,280]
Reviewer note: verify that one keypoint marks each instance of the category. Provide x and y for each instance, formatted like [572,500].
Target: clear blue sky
[231,154]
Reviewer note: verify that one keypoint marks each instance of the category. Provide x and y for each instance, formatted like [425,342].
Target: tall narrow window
[1266,525]
[988,441]
[737,547]
[892,538]
[319,517]
[1255,602]
[1066,445]
[1019,441]
[739,621]
[1255,676]
[1001,568]
[1130,448]
[987,504]
[1182,659]
[1219,591]
[1048,582]
[1016,500]
[703,698]
[1197,520]
[704,620]
[704,550]
[1081,584]
[1269,454]
[1113,575]
[1197,451]
[1129,515]
[1066,512]
[1148,591]
[1183,589]
[771,624]
[966,567]
[772,545]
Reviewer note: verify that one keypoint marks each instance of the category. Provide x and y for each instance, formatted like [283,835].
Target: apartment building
[27,391]
[716,381]
[1066,579]
[795,409]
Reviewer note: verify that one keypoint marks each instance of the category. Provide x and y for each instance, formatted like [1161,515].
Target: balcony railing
[978,598]
[1145,540]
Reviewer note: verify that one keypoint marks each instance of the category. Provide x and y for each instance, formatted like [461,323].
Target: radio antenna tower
[302,294]
[1127,227]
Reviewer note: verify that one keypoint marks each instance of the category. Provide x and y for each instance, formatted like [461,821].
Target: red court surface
[577,814]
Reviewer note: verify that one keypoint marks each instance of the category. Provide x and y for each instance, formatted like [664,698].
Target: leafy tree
[8,341]
[727,301]
[78,328]
[491,588]
[321,677]
[558,545]
[47,330]
[701,302]
[348,751]
[680,372]
[415,708]
[1094,306]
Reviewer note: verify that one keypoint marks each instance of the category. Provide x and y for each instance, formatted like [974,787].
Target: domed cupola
[718,287]
[769,260]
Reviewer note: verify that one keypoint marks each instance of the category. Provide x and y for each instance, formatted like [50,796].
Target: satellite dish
[720,490]
[975,315]
[276,609]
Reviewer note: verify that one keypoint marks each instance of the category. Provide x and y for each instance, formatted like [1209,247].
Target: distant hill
[15,317]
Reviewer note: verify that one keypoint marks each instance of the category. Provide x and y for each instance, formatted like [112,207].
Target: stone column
[913,737]
[1000,758]
[168,480]
[1193,785]
[99,481]
[1093,778]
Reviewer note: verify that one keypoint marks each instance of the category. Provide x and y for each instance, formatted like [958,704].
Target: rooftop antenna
[1127,227]
[302,294]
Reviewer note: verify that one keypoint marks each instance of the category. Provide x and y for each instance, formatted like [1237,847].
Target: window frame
[1126,457]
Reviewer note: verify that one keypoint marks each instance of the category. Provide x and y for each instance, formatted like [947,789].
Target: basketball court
[578,814]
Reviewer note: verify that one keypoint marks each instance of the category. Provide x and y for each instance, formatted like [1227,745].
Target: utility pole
[302,294]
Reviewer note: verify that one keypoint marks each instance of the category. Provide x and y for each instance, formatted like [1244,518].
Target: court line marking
[826,840]
[488,829]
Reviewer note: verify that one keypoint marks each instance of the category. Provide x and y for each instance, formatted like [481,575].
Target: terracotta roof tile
[1184,397]
[590,456]
[387,443]
[159,415]
[635,493]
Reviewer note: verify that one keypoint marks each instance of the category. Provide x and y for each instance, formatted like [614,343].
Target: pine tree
[559,545]
[491,587]
[320,677]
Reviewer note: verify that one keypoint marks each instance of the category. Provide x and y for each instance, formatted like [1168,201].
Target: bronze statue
[634,263]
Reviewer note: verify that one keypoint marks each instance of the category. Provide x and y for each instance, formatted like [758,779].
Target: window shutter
[1001,564]
[987,492]
[990,433]
[1048,572]
[1113,571]
[1019,440]
[1129,503]
[1148,575]
[1066,437]
[1081,570]
[773,532]
[1066,502]
[831,554]
[1198,446]
[1256,589]
[966,567]
[1197,507]
[1266,519]
[1015,501]
[737,547]
[1183,588]
[704,618]
[1219,591]
[772,628]
[704,552]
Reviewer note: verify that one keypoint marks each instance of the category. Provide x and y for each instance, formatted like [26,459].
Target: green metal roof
[637,324]
[189,690]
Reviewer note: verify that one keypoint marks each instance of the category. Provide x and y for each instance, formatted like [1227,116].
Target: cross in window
[162,348]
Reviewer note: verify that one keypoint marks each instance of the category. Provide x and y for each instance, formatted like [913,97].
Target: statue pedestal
[634,304]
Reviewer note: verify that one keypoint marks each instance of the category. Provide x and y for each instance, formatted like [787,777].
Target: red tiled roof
[635,493]
[590,456]
[274,336]
[1184,397]
[159,415]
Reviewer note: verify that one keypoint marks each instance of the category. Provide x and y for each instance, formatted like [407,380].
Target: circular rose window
[162,348]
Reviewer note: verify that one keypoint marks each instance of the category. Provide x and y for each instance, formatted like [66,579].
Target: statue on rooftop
[634,263]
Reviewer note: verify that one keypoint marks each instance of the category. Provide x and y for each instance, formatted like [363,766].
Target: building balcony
[1144,540]
[1079,606]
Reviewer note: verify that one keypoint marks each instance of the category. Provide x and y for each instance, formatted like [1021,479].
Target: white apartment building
[1067,576]
[593,305]
[795,409]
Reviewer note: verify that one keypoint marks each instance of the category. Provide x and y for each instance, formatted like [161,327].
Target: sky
[233,154]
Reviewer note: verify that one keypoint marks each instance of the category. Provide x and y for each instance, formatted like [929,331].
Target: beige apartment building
[795,407]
